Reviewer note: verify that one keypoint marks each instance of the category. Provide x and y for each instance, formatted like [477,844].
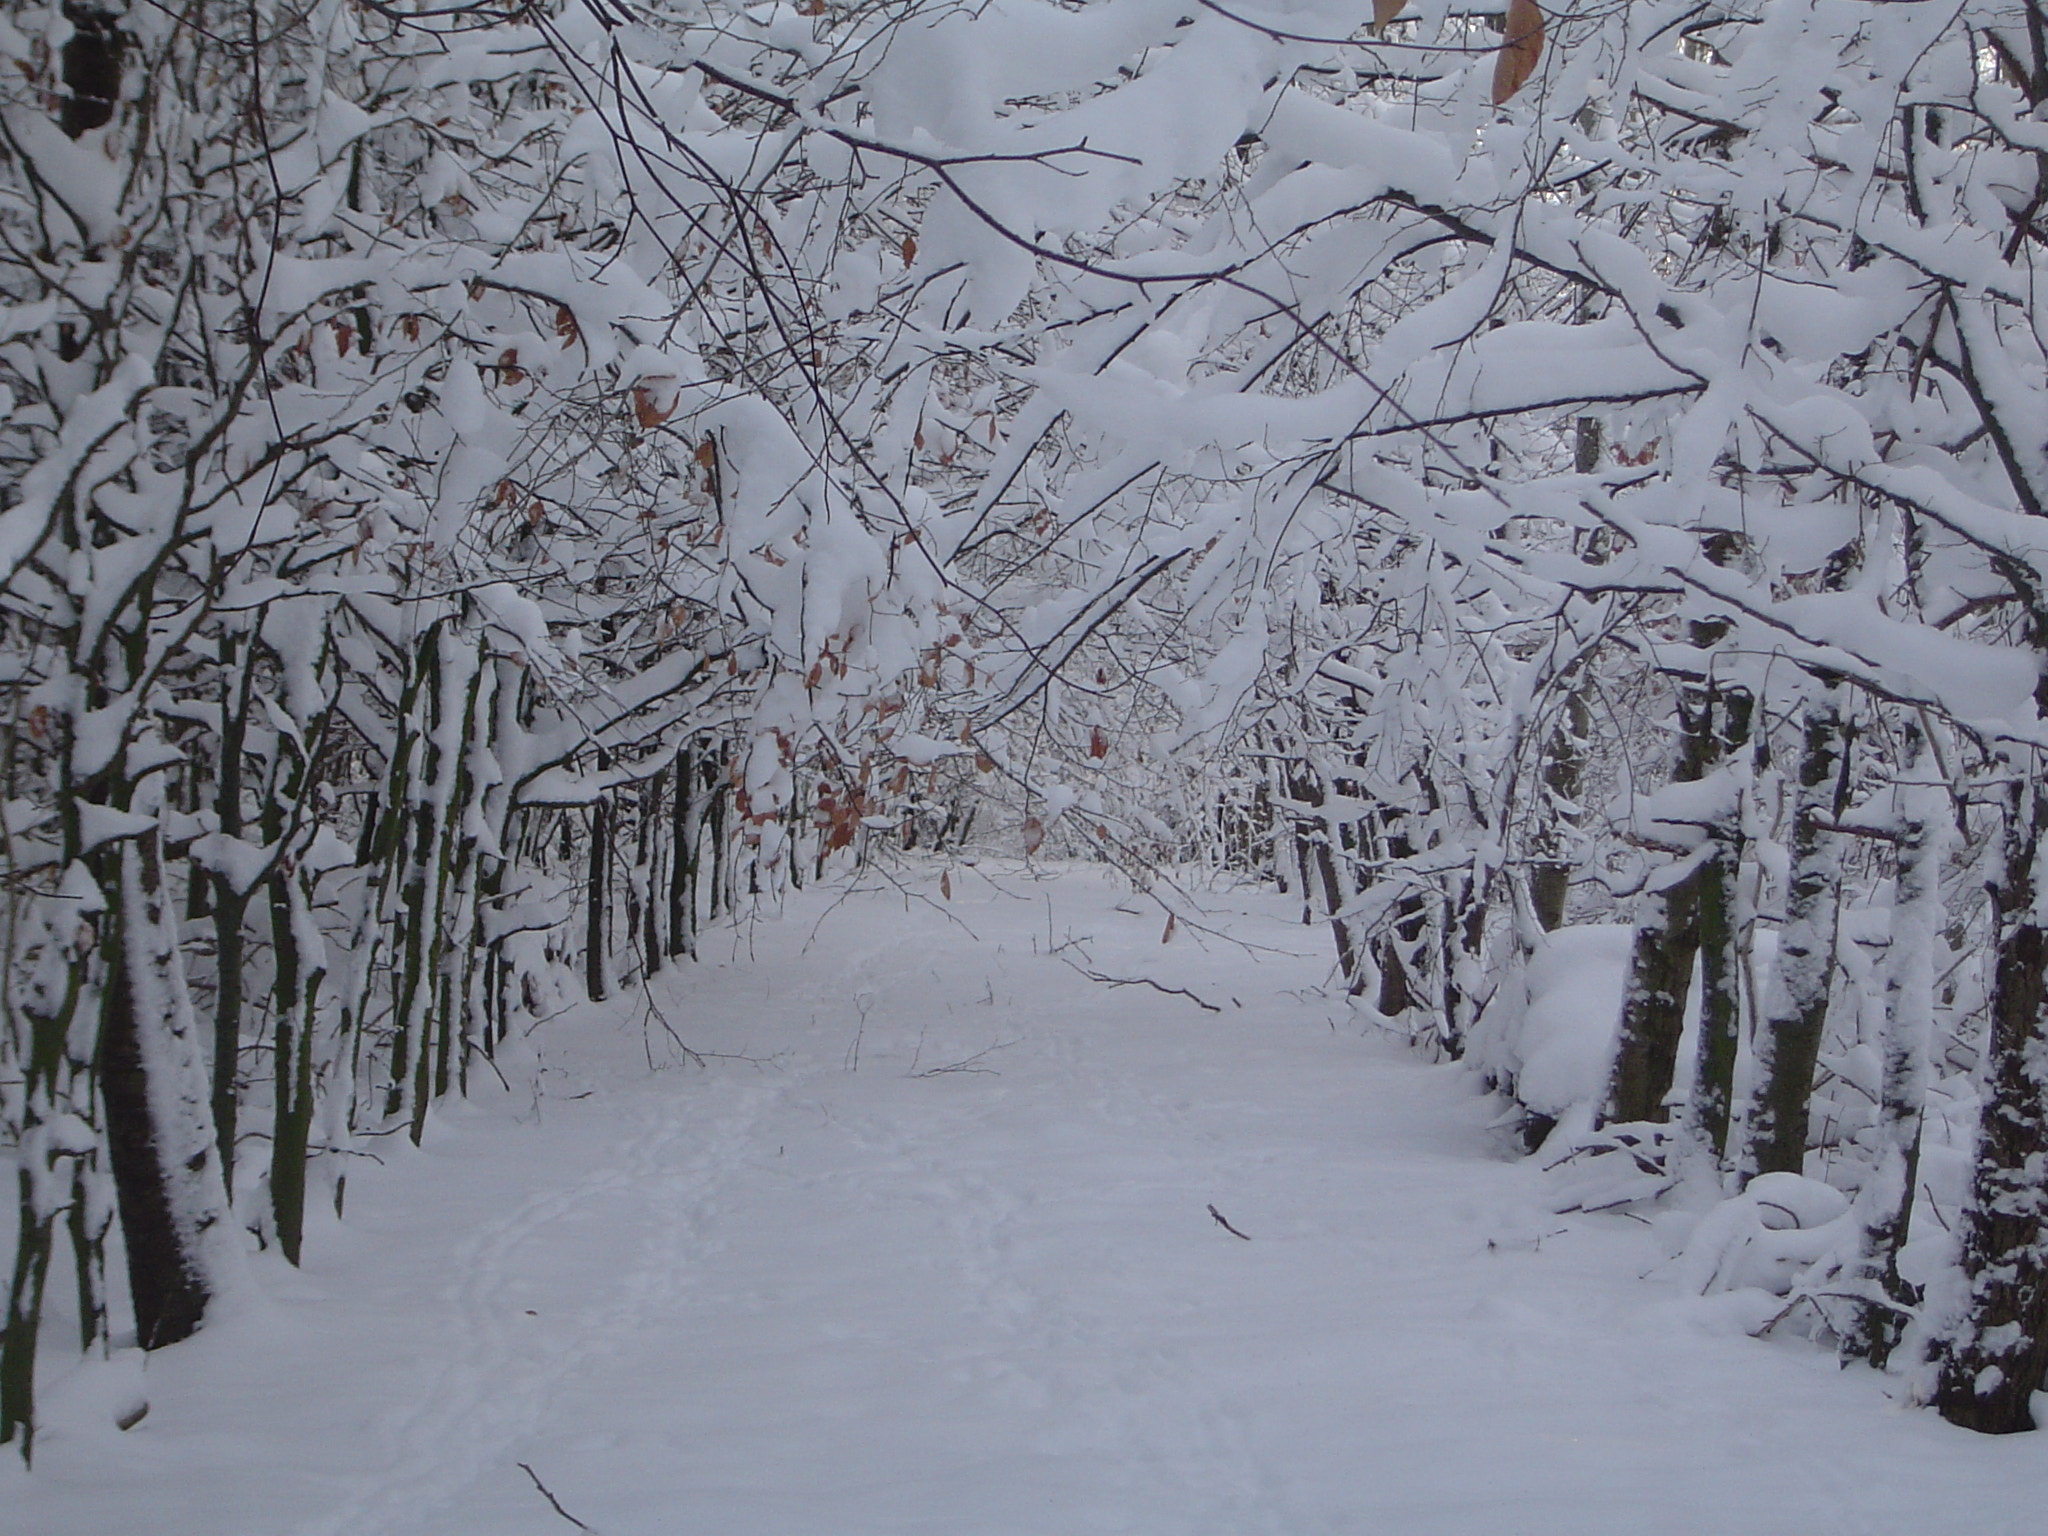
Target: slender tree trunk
[718,788]
[1796,1004]
[1722,928]
[1401,941]
[1887,1198]
[596,897]
[1667,942]
[56,1103]
[1563,777]
[1462,952]
[653,826]
[1323,857]
[295,997]
[230,906]
[682,875]
[32,1245]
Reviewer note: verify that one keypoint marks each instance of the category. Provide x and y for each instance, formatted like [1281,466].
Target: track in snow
[817,1294]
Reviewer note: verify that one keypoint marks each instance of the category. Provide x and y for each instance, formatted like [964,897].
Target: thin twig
[548,1494]
[966,1064]
[1143,981]
[1224,1222]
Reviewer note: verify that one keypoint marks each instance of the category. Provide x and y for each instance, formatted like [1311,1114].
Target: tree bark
[166,1167]
[1887,1198]
[1564,774]
[1667,941]
[1653,1002]
[596,897]
[1796,1005]
[1994,1359]
[1722,929]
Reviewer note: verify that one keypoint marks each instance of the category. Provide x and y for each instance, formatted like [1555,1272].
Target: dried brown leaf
[654,401]
[1520,49]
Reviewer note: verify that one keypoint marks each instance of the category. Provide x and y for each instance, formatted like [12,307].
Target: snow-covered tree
[486,486]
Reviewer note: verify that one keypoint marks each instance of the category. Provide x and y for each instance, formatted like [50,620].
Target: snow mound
[1765,1237]
[1548,1034]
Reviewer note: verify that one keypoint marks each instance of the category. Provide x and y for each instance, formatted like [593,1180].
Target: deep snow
[836,1289]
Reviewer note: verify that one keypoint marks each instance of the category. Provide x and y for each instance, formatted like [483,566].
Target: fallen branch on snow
[1224,1222]
[547,1493]
[1144,981]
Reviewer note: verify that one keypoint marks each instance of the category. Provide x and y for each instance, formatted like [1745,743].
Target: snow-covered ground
[925,1247]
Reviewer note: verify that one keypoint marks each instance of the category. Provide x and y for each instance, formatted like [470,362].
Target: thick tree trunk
[1995,1358]
[1653,1001]
[1714,722]
[153,1083]
[1667,938]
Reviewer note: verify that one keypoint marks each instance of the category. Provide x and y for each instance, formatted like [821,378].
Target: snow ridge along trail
[938,1259]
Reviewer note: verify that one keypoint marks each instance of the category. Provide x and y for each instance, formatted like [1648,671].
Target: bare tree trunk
[1667,940]
[1564,775]
[1796,1005]
[1653,1001]
[1887,1199]
[597,895]
[166,1166]
[1323,855]
[1722,929]
[230,906]
[1995,1357]
[682,869]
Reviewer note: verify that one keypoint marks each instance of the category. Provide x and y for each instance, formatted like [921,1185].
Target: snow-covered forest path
[939,1258]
